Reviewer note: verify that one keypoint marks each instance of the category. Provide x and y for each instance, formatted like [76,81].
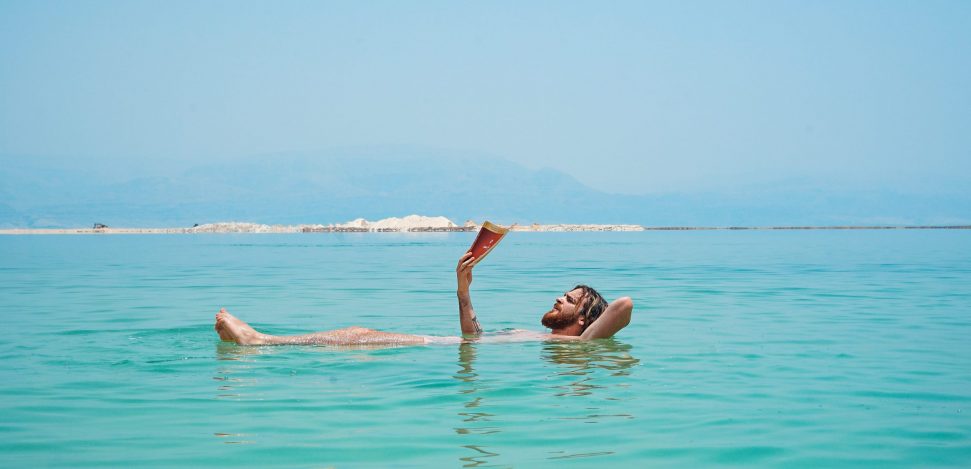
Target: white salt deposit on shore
[410,222]
[416,223]
[573,227]
[234,227]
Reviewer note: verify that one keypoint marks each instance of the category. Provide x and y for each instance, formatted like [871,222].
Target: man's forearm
[470,324]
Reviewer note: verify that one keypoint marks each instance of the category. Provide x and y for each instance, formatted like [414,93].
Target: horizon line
[553,228]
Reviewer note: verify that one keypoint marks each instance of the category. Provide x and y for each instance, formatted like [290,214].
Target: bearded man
[580,314]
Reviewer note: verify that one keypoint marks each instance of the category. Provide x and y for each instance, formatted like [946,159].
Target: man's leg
[233,329]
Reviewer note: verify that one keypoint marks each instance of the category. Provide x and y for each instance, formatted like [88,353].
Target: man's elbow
[626,306]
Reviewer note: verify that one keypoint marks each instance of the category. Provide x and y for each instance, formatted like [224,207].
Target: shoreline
[536,228]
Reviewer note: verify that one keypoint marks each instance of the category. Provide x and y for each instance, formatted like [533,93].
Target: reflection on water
[586,363]
[233,360]
[231,351]
[582,359]
[481,456]
[472,419]
[589,374]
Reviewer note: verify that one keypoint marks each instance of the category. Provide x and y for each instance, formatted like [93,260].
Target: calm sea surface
[747,349]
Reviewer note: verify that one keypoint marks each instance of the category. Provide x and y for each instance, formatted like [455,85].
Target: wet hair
[592,305]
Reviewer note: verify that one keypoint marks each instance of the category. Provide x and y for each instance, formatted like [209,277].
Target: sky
[628,97]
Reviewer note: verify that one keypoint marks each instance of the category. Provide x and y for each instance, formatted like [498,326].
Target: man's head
[575,311]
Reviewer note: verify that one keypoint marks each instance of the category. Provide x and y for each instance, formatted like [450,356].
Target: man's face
[565,311]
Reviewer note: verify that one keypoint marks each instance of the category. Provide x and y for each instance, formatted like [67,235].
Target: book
[488,237]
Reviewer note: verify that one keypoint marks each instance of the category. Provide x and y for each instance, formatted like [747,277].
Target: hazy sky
[636,97]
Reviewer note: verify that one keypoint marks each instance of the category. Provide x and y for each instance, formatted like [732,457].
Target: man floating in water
[580,314]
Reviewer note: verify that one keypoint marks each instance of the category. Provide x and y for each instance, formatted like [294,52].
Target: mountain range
[336,187]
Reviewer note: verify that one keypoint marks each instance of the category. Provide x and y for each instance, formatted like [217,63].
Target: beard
[557,320]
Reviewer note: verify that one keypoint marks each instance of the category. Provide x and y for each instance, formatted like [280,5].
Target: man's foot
[233,329]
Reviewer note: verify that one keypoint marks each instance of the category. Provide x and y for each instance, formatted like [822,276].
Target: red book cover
[489,236]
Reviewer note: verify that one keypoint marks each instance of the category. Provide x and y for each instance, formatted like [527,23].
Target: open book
[489,236]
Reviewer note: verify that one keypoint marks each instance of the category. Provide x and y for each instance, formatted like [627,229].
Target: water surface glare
[747,349]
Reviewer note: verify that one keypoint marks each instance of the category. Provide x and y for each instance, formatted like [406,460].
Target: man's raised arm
[463,275]
[613,319]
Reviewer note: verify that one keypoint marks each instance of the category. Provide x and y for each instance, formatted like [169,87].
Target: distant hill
[336,187]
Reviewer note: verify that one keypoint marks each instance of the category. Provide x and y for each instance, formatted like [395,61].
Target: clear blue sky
[630,97]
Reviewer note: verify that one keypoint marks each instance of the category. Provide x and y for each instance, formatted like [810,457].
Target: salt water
[746,349]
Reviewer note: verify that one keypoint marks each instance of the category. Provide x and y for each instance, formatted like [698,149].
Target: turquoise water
[747,349]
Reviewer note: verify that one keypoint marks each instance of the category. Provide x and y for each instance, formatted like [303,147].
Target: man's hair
[592,305]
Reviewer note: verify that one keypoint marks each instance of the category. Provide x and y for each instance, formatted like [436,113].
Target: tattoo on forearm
[465,308]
